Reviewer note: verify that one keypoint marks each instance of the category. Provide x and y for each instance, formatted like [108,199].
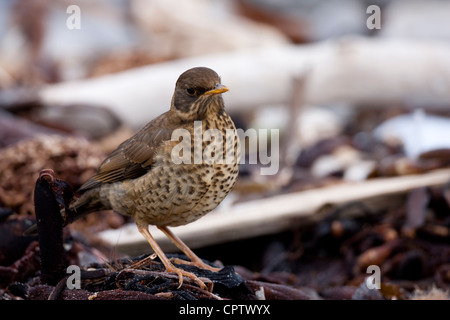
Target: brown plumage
[141,179]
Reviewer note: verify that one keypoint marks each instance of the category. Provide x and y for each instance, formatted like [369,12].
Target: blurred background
[357,91]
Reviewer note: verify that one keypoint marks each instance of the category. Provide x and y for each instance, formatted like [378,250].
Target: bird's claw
[183,273]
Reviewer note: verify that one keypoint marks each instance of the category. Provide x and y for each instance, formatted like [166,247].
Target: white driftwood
[353,70]
[271,215]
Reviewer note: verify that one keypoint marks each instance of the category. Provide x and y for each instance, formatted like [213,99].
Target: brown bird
[144,178]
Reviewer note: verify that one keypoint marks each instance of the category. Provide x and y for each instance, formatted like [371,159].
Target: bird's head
[197,91]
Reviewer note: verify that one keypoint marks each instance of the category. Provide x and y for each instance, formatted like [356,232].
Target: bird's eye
[190,91]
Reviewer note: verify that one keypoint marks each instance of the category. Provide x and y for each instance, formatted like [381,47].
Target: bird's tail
[87,203]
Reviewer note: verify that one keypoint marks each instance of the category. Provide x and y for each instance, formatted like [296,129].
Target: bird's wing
[133,157]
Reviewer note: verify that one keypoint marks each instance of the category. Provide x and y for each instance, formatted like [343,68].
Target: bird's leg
[166,262]
[195,260]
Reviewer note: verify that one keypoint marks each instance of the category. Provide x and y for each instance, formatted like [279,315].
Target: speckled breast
[174,193]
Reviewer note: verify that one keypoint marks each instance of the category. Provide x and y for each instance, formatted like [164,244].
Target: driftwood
[352,70]
[277,213]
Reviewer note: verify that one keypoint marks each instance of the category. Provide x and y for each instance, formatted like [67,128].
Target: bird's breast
[174,193]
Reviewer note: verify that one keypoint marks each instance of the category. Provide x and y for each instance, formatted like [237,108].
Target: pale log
[277,213]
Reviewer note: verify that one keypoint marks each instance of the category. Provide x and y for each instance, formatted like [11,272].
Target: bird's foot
[183,273]
[170,268]
[196,263]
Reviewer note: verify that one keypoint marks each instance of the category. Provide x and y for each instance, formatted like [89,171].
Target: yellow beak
[219,88]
